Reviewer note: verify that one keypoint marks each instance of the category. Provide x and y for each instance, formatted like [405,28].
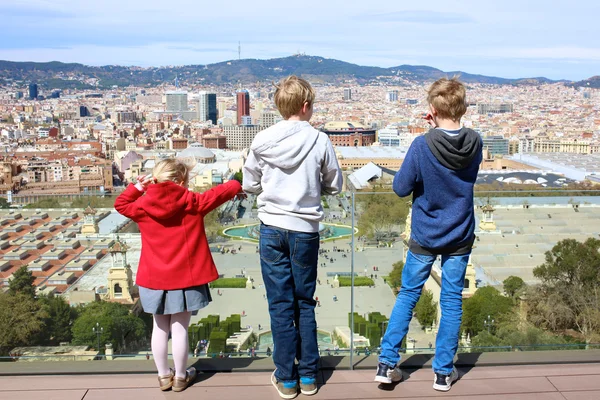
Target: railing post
[352,290]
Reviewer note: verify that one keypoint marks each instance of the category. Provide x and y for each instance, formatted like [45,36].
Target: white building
[240,136]
[177,101]
[394,137]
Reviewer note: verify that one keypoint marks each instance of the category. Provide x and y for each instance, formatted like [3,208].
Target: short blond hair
[171,169]
[448,97]
[291,94]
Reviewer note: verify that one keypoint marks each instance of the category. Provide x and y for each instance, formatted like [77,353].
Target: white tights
[177,324]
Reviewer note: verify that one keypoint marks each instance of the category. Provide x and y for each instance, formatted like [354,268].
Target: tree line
[562,309]
[48,320]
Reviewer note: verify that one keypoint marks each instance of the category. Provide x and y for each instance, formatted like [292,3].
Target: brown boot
[179,384]
[166,381]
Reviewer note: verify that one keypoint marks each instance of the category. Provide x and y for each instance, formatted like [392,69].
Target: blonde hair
[448,97]
[171,169]
[291,94]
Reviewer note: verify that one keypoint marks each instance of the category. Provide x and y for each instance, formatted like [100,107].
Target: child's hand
[241,196]
[429,119]
[143,181]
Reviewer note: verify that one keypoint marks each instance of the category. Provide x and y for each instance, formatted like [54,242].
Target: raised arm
[213,198]
[126,203]
[332,174]
[252,175]
[406,177]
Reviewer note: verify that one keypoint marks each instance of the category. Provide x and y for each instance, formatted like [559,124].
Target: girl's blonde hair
[171,169]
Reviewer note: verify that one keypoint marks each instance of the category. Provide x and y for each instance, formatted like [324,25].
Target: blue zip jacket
[440,171]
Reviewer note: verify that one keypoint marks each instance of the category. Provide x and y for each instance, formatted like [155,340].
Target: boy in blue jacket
[440,170]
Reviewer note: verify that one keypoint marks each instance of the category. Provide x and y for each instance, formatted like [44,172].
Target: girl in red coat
[175,264]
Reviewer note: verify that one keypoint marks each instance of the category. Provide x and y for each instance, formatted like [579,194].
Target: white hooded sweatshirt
[290,165]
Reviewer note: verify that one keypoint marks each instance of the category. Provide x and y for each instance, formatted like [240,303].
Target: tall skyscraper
[33,91]
[221,108]
[392,95]
[177,101]
[243,105]
[347,94]
[207,107]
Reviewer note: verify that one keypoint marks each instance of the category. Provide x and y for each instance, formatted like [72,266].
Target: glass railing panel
[510,284]
[47,237]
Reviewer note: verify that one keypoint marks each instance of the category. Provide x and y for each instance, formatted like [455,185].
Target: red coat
[175,252]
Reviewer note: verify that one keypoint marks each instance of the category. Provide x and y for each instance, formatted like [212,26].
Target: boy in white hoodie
[290,165]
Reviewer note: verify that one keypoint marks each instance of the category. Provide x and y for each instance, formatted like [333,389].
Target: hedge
[204,329]
[230,283]
[358,281]
[372,328]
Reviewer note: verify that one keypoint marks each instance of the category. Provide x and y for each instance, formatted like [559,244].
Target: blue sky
[525,38]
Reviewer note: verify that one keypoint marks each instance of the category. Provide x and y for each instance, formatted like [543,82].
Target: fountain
[252,232]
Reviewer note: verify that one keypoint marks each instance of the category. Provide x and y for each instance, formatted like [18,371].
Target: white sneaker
[442,382]
[387,374]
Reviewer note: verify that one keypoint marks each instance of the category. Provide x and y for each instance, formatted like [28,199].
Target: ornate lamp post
[488,323]
[98,330]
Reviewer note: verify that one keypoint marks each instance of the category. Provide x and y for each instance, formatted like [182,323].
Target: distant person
[439,170]
[175,265]
[290,166]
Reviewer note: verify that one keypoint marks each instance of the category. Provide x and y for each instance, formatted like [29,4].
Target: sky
[511,38]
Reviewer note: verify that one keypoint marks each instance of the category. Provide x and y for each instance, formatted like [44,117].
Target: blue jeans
[288,261]
[416,272]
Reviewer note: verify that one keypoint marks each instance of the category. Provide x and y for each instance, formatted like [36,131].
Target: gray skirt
[175,301]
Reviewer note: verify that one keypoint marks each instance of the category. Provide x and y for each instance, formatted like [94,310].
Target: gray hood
[286,144]
[454,152]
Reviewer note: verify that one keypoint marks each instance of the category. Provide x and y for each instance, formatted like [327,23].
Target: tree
[380,212]
[57,324]
[509,333]
[569,296]
[21,319]
[571,264]
[212,226]
[4,203]
[513,285]
[45,203]
[238,176]
[395,277]
[426,309]
[486,301]
[94,202]
[121,328]
[22,282]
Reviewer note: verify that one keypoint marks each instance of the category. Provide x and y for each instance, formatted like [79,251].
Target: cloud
[419,17]
[203,49]
[14,11]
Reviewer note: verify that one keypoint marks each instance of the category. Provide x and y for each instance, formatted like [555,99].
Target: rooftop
[525,234]
[571,375]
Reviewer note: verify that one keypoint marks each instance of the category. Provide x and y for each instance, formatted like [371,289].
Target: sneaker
[166,381]
[387,374]
[308,385]
[180,384]
[443,383]
[286,390]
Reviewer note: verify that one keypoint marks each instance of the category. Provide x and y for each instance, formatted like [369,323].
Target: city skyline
[519,40]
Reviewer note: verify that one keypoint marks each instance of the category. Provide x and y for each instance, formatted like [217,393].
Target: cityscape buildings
[347,94]
[392,95]
[177,101]
[207,107]
[33,91]
[243,105]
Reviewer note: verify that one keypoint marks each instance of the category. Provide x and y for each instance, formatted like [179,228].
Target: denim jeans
[416,272]
[288,261]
